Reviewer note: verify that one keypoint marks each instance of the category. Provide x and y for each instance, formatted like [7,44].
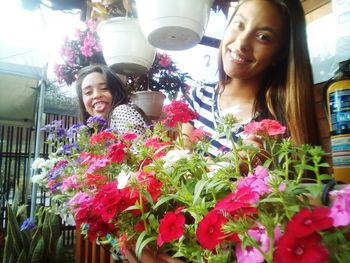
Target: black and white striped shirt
[204,101]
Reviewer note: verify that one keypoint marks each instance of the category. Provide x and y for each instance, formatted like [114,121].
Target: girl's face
[97,97]
[252,40]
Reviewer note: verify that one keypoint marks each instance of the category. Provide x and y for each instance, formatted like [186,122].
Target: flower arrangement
[134,193]
[104,9]
[164,75]
[80,51]
[85,49]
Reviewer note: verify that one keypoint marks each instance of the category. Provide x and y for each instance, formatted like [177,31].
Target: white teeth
[236,57]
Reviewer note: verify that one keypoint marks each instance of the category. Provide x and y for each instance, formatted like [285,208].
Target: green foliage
[35,244]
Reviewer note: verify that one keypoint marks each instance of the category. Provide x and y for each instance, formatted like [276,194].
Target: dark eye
[87,92]
[263,37]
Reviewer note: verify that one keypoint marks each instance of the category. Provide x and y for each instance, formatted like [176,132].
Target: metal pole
[38,142]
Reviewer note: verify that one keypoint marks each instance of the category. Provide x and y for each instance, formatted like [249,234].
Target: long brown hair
[286,92]
[114,84]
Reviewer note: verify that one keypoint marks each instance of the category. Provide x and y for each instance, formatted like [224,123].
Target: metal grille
[17,146]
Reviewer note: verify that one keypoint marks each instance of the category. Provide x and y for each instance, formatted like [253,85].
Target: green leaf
[22,257]
[163,200]
[59,251]
[138,243]
[9,248]
[55,232]
[314,189]
[35,239]
[143,244]
[15,231]
[38,254]
[198,189]
[325,177]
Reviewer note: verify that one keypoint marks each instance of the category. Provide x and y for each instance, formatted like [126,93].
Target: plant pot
[150,256]
[173,24]
[124,47]
[151,102]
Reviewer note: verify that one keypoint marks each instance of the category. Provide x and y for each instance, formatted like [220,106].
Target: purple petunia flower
[28,224]
[75,129]
[96,121]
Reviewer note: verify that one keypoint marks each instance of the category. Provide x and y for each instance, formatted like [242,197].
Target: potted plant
[169,25]
[152,194]
[77,52]
[124,46]
[174,24]
[164,77]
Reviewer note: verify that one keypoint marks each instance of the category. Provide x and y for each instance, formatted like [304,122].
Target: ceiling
[17,100]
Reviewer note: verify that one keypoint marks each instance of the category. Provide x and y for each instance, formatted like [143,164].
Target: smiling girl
[101,93]
[264,72]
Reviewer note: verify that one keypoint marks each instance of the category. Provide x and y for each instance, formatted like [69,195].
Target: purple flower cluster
[28,224]
[96,122]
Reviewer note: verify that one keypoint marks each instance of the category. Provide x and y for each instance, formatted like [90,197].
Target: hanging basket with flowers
[82,50]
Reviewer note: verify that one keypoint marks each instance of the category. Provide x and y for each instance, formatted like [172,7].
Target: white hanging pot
[151,102]
[173,24]
[125,48]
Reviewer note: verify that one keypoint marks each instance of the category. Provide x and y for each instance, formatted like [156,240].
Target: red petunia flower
[96,179]
[209,233]
[129,136]
[178,112]
[241,199]
[307,222]
[140,226]
[157,145]
[153,185]
[302,250]
[116,152]
[102,136]
[171,227]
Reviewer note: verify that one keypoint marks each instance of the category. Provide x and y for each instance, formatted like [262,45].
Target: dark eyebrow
[98,84]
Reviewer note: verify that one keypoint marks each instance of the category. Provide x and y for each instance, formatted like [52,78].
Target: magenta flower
[70,182]
[79,200]
[251,254]
[340,210]
[257,182]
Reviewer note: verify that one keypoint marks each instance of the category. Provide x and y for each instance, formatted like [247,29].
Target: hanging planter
[151,102]
[124,47]
[173,24]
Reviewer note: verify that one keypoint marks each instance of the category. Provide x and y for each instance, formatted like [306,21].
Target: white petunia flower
[123,179]
[172,157]
[38,178]
[38,162]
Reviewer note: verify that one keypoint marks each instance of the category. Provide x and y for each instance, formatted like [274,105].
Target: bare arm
[187,130]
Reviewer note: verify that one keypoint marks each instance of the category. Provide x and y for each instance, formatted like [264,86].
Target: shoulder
[203,91]
[126,112]
[126,118]
[127,109]
[201,96]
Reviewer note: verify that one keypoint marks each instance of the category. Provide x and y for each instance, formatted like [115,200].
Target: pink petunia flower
[252,254]
[70,182]
[264,127]
[257,182]
[340,209]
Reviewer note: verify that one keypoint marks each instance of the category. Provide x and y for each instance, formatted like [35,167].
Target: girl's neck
[245,90]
